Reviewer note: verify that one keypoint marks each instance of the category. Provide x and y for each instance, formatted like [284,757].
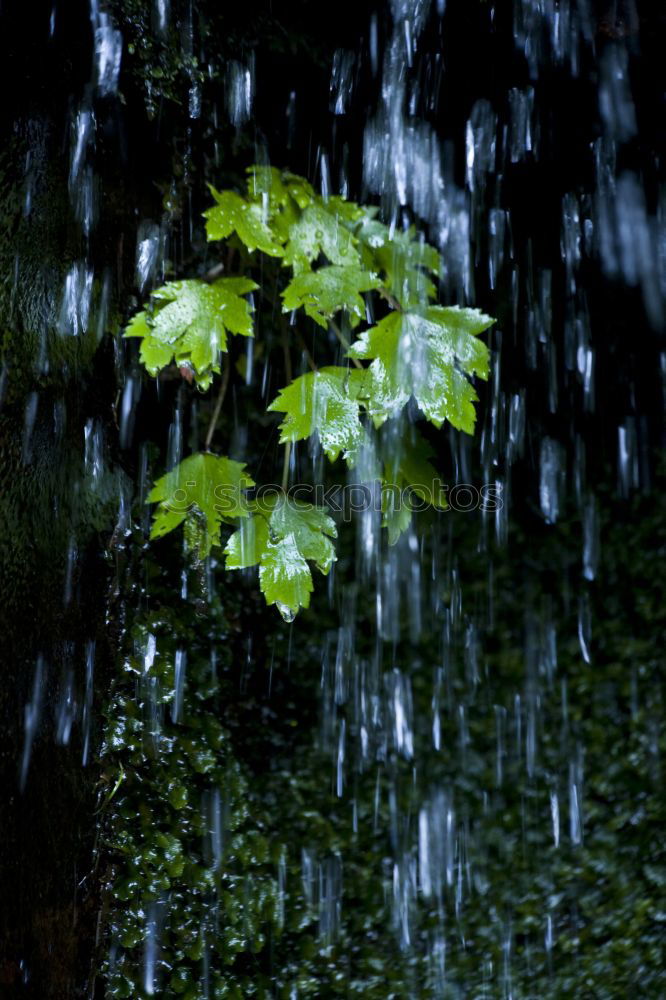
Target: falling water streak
[83,134]
[342,81]
[128,403]
[555,817]
[339,775]
[551,479]
[175,441]
[72,556]
[330,897]
[76,300]
[162,15]
[178,685]
[93,455]
[216,828]
[151,949]
[107,50]
[402,156]
[584,627]
[86,714]
[149,251]
[28,426]
[574,819]
[240,90]
[66,709]
[31,719]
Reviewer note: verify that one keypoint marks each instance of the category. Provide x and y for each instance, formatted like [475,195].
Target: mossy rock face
[50,300]
[173,60]
[57,378]
[59,494]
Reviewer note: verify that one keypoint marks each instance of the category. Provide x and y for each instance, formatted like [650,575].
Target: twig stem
[289,375]
[391,299]
[218,404]
[345,343]
[285,466]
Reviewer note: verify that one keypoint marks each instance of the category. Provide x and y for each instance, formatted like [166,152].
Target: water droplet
[288,614]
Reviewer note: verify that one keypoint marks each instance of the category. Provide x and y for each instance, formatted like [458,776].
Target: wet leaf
[204,486]
[428,355]
[247,544]
[320,229]
[284,575]
[326,291]
[320,401]
[311,528]
[233,214]
[405,261]
[282,536]
[189,322]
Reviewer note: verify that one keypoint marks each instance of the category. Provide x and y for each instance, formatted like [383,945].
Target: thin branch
[214,272]
[286,352]
[289,375]
[304,347]
[218,404]
[343,340]
[285,466]
[391,299]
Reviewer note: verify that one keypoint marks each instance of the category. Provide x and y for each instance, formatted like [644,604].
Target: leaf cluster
[337,264]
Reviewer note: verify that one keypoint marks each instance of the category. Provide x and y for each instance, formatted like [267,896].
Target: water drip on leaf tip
[288,614]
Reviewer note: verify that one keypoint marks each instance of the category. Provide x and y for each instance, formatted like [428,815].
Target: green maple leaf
[311,527]
[285,578]
[428,355]
[405,261]
[320,401]
[198,311]
[279,185]
[248,543]
[408,263]
[281,188]
[232,213]
[208,488]
[189,324]
[325,291]
[320,229]
[281,536]
[138,326]
[282,199]
[154,355]
[300,190]
[264,180]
